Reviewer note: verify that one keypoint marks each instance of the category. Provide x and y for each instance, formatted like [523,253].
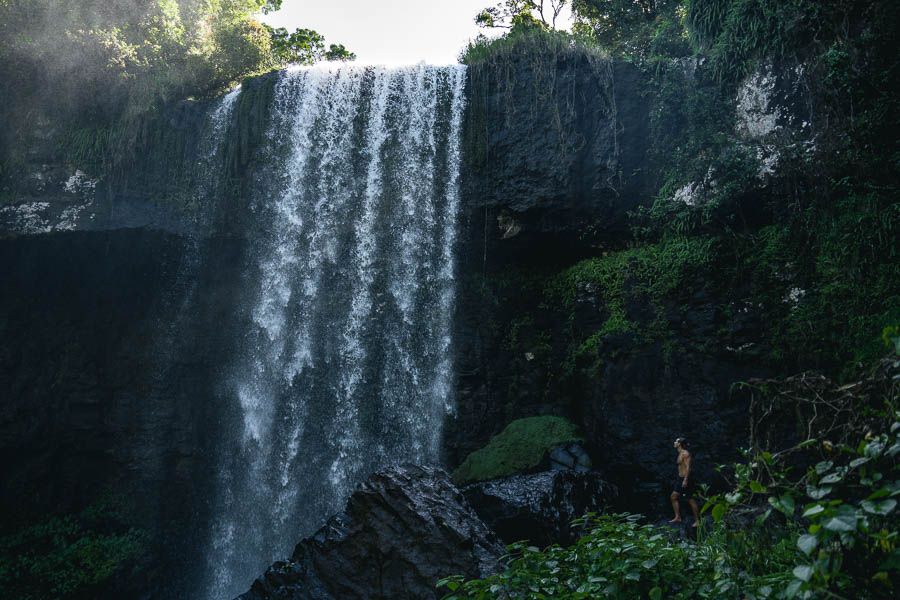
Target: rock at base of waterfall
[539,507]
[571,456]
[402,530]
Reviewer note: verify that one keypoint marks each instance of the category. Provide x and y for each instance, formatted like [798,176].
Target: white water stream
[346,363]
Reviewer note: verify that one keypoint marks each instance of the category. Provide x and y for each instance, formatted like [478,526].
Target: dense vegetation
[816,520]
[73,556]
[86,72]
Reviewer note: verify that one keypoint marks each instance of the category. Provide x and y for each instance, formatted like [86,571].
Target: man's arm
[687,467]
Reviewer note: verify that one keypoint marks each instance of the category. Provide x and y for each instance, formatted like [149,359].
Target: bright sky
[388,31]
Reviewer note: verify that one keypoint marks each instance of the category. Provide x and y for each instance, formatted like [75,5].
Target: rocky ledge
[539,507]
[406,527]
[402,530]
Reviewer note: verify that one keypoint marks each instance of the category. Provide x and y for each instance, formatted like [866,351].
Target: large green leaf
[841,523]
[784,503]
[803,572]
[817,493]
[813,510]
[807,543]
[882,508]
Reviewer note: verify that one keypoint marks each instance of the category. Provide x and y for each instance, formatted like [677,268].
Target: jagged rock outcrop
[402,530]
[539,507]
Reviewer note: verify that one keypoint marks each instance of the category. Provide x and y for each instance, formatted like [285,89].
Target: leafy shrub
[525,41]
[838,538]
[519,447]
[786,530]
[842,513]
[71,556]
[633,30]
[621,557]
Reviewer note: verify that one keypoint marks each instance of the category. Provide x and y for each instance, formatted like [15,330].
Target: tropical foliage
[95,66]
[814,520]
[71,556]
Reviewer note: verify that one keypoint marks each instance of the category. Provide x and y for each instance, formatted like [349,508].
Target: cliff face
[118,315]
[118,304]
[636,345]
[110,367]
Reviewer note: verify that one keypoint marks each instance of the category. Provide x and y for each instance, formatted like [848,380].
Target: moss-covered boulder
[521,446]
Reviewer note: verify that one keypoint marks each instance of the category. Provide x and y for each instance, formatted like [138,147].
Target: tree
[94,66]
[339,52]
[514,14]
[631,27]
[271,6]
[305,47]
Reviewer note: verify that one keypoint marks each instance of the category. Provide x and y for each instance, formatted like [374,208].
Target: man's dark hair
[684,442]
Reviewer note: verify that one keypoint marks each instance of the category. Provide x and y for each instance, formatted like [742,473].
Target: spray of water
[346,365]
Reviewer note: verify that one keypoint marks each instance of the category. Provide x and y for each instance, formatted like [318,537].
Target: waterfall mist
[345,364]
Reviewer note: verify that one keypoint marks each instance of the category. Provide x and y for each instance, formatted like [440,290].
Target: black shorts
[686,491]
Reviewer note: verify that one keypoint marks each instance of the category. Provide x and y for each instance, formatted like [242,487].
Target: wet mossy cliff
[638,240]
[620,264]
[559,153]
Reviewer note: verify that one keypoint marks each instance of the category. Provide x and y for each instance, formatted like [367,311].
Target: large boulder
[401,531]
[524,446]
[539,507]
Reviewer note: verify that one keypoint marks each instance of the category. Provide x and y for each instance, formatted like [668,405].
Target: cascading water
[346,363]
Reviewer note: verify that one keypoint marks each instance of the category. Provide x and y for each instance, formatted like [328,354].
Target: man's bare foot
[695,524]
[676,520]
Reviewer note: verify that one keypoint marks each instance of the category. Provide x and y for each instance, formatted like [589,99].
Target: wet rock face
[640,403]
[539,194]
[539,507]
[402,530]
[554,141]
[535,206]
[109,376]
[569,457]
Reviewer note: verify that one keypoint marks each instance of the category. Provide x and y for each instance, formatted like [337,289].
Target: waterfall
[346,364]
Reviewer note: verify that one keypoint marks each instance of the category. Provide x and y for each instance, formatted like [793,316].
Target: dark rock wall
[112,342]
[117,323]
[552,167]
[558,150]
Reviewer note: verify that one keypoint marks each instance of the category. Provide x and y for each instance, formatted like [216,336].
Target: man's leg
[695,508]
[676,506]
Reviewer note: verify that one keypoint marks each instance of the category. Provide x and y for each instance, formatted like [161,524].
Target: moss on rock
[519,447]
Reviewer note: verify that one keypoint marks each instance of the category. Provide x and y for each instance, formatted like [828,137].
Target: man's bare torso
[683,457]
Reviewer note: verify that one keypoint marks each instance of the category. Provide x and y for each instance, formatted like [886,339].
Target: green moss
[519,447]
[657,269]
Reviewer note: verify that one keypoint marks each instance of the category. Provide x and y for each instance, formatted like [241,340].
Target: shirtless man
[684,484]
